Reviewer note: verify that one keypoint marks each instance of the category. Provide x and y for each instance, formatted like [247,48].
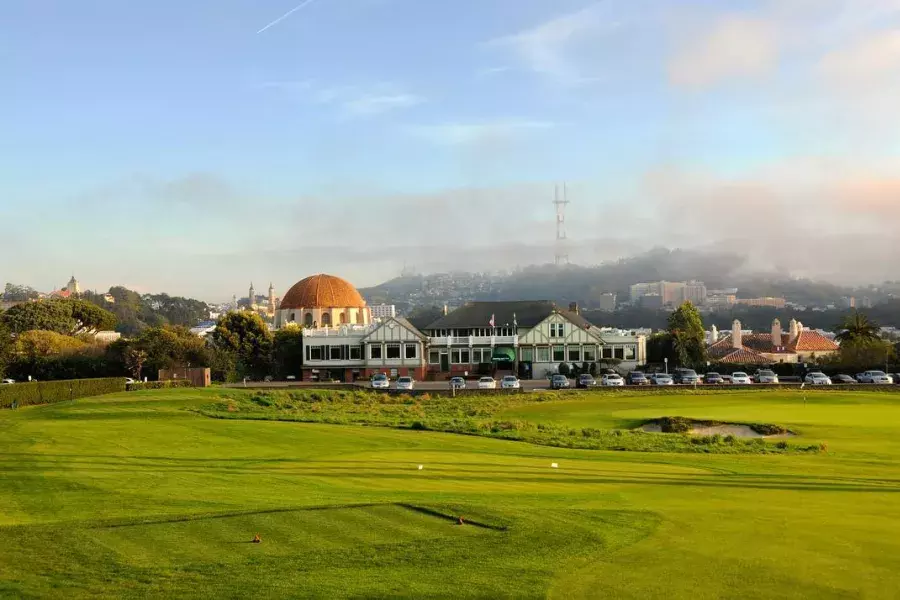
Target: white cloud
[373,104]
[455,134]
[867,61]
[552,48]
[736,46]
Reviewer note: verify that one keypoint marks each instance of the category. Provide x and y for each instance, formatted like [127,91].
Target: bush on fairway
[158,385]
[50,392]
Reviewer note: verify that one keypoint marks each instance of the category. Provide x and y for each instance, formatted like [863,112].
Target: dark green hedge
[159,385]
[49,392]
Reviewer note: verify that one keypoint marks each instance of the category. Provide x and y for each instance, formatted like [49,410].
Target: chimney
[794,331]
[777,340]
[713,335]
[573,307]
[446,310]
[737,335]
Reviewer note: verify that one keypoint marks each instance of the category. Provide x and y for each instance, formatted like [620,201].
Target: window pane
[619,353]
[607,352]
[543,354]
[464,357]
[393,351]
[629,352]
[559,353]
[575,353]
[355,353]
[434,357]
[375,351]
[590,354]
[527,354]
[454,357]
[334,352]
[412,351]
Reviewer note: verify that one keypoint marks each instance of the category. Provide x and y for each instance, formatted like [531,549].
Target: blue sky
[193,146]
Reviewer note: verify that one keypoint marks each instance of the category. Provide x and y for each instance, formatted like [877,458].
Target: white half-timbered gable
[394,344]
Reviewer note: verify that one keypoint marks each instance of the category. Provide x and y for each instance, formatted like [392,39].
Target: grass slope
[138,495]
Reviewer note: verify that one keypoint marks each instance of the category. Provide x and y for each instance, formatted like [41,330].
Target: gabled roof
[400,321]
[813,341]
[724,351]
[524,313]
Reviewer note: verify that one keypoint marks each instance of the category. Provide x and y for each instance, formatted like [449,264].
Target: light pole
[666,360]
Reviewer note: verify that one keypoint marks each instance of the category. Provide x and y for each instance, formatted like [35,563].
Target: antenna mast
[562,255]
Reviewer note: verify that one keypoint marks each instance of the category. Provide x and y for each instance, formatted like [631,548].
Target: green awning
[503,354]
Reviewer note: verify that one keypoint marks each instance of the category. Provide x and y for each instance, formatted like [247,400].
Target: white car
[766,376]
[740,378]
[817,378]
[8,381]
[381,382]
[510,382]
[405,383]
[612,380]
[487,383]
[661,379]
[875,377]
[457,383]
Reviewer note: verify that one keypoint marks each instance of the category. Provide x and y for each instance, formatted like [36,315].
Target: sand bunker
[738,431]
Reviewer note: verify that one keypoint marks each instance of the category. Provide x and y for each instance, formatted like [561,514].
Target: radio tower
[562,256]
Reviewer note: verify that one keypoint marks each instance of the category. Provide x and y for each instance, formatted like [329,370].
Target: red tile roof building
[798,345]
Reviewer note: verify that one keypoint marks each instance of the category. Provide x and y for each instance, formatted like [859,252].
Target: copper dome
[323,291]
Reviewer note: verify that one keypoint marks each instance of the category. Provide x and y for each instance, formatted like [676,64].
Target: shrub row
[49,392]
[158,385]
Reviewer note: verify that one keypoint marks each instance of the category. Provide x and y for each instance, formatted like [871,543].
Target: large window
[590,354]
[334,352]
[326,319]
[434,357]
[574,353]
[316,353]
[527,354]
[393,351]
[465,357]
[411,351]
[375,351]
[619,353]
[481,355]
[542,354]
[307,320]
[454,357]
[557,330]
[355,352]
[559,353]
[630,352]
[607,352]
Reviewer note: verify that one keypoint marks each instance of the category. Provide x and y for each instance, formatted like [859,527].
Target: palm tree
[857,327]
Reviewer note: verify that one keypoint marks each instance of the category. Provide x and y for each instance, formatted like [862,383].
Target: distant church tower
[252,297]
[73,288]
[272,306]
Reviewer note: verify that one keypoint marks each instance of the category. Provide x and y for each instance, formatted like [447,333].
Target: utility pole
[562,256]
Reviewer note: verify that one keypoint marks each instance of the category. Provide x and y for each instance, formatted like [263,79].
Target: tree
[563,369]
[245,336]
[67,317]
[858,329]
[34,344]
[287,352]
[19,293]
[168,347]
[134,361]
[688,336]
[6,343]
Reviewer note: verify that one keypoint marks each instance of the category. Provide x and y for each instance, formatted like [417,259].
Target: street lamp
[666,360]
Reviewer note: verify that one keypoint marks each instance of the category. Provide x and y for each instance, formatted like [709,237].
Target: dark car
[685,377]
[586,381]
[839,379]
[637,378]
[714,379]
[559,382]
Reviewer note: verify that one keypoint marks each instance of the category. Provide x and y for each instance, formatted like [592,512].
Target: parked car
[685,377]
[457,383]
[586,381]
[559,382]
[842,379]
[487,383]
[817,378]
[7,382]
[381,382]
[662,379]
[766,376]
[637,378]
[740,378]
[612,380]
[510,382]
[875,377]
[713,379]
[405,383]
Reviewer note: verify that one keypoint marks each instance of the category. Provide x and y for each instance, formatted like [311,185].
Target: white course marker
[421,467]
[554,465]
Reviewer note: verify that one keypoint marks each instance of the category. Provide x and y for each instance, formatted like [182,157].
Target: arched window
[326,319]
[292,317]
[359,317]
[308,320]
[344,318]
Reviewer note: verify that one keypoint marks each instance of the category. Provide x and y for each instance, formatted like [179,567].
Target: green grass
[140,495]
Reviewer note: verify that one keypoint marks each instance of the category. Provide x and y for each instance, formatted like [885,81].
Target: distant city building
[671,293]
[694,292]
[651,301]
[607,302]
[638,291]
[71,290]
[769,302]
[848,302]
[866,302]
[721,301]
[383,311]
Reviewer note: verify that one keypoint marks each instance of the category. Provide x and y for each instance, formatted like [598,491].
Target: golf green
[139,495]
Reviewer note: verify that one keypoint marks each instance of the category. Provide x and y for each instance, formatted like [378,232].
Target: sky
[194,147]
